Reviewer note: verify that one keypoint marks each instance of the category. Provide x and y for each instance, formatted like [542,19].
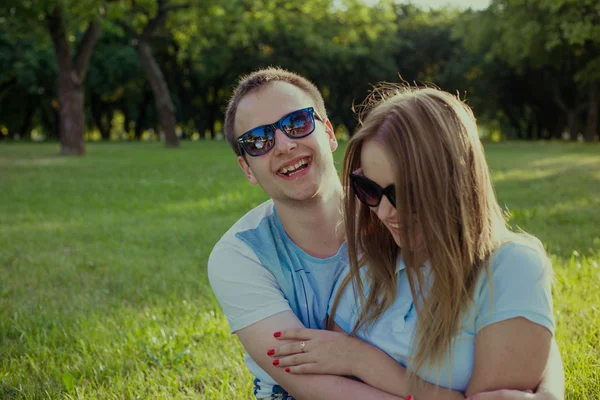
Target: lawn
[103,286]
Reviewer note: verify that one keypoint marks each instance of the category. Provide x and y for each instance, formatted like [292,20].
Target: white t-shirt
[256,271]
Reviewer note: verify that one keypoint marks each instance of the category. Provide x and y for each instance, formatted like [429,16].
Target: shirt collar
[399,263]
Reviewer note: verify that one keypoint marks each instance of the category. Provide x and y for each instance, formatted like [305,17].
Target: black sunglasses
[370,193]
[295,125]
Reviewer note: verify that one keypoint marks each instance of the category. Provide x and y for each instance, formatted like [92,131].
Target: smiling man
[275,268]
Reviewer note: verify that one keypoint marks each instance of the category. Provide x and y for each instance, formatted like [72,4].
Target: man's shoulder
[233,242]
[250,221]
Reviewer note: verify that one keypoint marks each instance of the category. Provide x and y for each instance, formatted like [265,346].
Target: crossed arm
[258,340]
[240,290]
[501,365]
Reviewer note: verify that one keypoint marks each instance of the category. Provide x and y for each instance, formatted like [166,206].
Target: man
[274,269]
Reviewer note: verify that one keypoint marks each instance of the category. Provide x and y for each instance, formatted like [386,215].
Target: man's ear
[247,170]
[333,144]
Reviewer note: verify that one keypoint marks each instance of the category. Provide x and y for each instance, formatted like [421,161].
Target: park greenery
[103,284]
[146,69]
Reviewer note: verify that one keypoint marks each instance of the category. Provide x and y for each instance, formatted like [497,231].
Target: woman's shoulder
[518,262]
[521,285]
[520,255]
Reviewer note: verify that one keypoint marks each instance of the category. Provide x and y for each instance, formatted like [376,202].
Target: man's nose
[283,144]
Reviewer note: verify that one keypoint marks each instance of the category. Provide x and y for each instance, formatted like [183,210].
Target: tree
[116,83]
[559,39]
[62,19]
[72,73]
[143,29]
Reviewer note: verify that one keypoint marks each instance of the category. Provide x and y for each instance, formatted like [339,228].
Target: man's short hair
[258,80]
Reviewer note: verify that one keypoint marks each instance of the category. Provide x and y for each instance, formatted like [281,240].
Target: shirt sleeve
[345,315]
[245,289]
[521,287]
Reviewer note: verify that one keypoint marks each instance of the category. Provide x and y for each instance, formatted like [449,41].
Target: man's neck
[315,225]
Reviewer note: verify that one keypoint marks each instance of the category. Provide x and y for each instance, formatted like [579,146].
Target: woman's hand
[316,351]
[512,395]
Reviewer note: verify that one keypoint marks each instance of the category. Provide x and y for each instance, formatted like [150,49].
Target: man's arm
[255,308]
[258,340]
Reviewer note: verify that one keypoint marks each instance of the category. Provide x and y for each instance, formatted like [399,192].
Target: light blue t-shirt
[256,271]
[521,288]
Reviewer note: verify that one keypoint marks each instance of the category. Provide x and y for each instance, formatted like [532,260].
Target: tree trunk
[49,120]
[212,117]
[572,124]
[126,123]
[591,130]
[571,112]
[71,77]
[162,97]
[141,117]
[27,118]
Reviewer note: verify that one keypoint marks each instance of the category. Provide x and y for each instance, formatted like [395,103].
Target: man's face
[311,156]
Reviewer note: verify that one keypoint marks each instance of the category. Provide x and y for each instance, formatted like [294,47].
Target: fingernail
[287,370]
[270,352]
[275,362]
[409,397]
[277,334]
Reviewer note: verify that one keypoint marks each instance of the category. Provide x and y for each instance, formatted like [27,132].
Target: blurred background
[164,69]
[103,285]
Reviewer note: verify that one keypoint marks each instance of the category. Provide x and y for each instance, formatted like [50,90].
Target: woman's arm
[511,354]
[553,383]
[552,386]
[340,354]
[337,353]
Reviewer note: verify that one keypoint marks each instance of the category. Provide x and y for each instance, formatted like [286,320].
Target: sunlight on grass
[104,293]
[220,202]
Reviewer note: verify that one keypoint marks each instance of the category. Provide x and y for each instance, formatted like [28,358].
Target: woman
[458,303]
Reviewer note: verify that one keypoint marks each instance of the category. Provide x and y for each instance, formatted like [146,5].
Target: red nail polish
[277,334]
[275,362]
[287,370]
[270,352]
[409,397]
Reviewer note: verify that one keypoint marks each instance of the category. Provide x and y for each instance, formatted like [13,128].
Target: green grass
[103,288]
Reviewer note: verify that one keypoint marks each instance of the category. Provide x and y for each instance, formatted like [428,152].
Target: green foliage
[104,292]
[551,49]
[29,17]
[508,60]
[27,81]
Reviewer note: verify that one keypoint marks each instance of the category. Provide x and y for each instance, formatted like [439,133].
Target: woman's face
[376,166]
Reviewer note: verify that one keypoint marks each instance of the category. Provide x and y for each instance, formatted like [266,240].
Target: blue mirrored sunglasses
[295,125]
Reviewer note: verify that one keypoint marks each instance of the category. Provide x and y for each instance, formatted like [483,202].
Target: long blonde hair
[442,177]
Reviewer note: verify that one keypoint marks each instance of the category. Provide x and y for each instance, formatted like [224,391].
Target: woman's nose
[385,210]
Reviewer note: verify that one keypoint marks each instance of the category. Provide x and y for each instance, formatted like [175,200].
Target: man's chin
[304,194]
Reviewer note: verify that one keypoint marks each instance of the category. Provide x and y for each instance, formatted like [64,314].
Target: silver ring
[302,344]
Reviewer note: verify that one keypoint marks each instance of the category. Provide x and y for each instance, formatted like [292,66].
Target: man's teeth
[294,167]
